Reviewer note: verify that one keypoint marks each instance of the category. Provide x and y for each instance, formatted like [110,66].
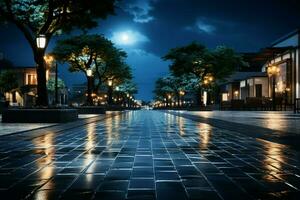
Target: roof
[295,32]
[266,54]
[239,76]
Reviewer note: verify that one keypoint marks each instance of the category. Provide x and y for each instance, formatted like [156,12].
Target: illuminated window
[31,79]
[225,97]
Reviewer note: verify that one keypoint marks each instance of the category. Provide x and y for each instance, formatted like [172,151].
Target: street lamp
[49,60]
[207,81]
[273,71]
[89,74]
[41,41]
[181,94]
[110,90]
[169,103]
[109,82]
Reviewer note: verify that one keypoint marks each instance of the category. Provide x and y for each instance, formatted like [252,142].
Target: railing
[297,105]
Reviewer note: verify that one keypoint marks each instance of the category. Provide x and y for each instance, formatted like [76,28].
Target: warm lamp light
[109,82]
[273,70]
[41,41]
[89,72]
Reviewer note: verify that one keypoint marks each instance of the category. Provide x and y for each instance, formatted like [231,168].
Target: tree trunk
[42,95]
[89,100]
[198,97]
[178,100]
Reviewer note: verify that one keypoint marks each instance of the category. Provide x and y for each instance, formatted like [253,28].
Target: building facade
[284,55]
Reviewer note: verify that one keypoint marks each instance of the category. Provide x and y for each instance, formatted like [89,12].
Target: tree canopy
[94,52]
[48,17]
[196,59]
[171,85]
[128,87]
[8,81]
[51,84]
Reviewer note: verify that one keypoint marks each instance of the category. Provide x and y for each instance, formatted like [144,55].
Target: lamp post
[50,60]
[42,96]
[273,71]
[181,94]
[110,90]
[127,95]
[89,74]
[169,104]
[207,81]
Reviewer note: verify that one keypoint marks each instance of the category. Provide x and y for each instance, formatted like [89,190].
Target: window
[31,79]
[224,96]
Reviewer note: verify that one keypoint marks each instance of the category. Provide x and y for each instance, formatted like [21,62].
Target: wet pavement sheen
[146,155]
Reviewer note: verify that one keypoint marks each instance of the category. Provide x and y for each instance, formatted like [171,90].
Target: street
[146,155]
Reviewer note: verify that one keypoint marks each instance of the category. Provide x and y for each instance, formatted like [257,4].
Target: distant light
[109,82]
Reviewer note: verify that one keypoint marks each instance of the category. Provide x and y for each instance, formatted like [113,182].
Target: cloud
[205,27]
[139,9]
[209,25]
[128,37]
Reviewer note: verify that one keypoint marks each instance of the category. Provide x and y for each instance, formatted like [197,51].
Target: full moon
[128,38]
[125,37]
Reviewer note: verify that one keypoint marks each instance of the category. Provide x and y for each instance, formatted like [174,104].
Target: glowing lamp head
[89,72]
[41,41]
[273,70]
[48,59]
[236,93]
[109,82]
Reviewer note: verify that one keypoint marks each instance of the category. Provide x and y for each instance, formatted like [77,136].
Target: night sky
[146,29]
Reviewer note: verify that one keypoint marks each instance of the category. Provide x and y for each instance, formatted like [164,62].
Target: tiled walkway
[146,155]
[276,120]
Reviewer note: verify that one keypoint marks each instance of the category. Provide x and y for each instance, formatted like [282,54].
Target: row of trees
[45,18]
[95,56]
[99,60]
[195,68]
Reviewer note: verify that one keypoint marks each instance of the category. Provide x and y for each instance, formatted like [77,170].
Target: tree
[8,81]
[195,59]
[113,67]
[83,53]
[96,53]
[48,17]
[171,85]
[127,89]
[51,84]
[5,64]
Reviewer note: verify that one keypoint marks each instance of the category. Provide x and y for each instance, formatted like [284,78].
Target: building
[25,94]
[242,85]
[284,55]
